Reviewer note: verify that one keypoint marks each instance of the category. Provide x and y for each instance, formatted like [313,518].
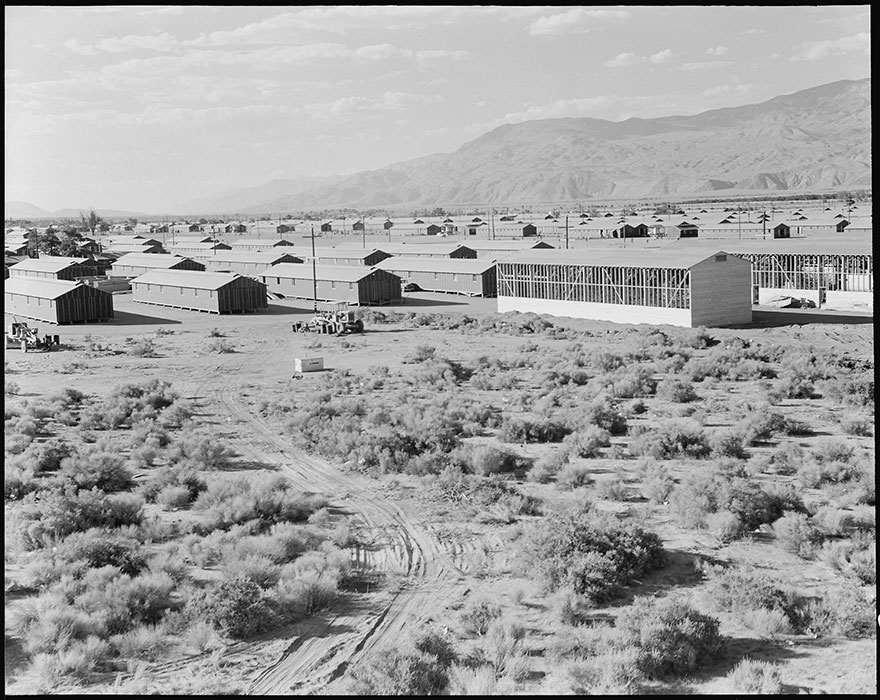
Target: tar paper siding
[250,268]
[376,288]
[70,272]
[241,294]
[82,304]
[483,283]
[340,257]
[121,269]
[720,292]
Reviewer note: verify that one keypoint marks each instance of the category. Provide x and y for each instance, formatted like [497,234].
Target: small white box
[308,364]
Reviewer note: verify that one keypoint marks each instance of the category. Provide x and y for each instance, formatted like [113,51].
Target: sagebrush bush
[611,672]
[547,466]
[670,637]
[725,526]
[796,533]
[97,466]
[844,611]
[486,459]
[657,481]
[238,607]
[588,442]
[676,390]
[574,476]
[44,516]
[478,616]
[422,667]
[592,556]
[756,678]
[673,438]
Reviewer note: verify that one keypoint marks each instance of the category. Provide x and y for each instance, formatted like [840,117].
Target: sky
[142,108]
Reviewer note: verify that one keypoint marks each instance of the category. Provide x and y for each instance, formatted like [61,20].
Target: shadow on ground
[771,318]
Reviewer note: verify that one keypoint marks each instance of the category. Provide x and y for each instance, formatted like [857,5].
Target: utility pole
[764,222]
[566,231]
[314,273]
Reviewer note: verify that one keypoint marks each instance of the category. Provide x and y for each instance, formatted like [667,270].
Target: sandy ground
[432,563]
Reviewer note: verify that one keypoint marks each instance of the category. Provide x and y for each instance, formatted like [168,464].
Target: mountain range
[813,140]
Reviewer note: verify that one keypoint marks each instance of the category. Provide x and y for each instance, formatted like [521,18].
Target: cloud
[624,59]
[705,65]
[729,89]
[388,102]
[717,51]
[578,20]
[661,56]
[818,50]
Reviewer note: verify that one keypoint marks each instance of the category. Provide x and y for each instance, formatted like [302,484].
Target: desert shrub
[99,547]
[174,497]
[756,678]
[43,517]
[397,672]
[48,456]
[845,611]
[238,607]
[725,526]
[98,467]
[855,558]
[574,476]
[309,584]
[11,388]
[787,458]
[422,353]
[696,497]
[673,438]
[670,637]
[627,382]
[609,672]
[547,466]
[614,489]
[238,500]
[253,567]
[220,347]
[473,680]
[146,642]
[588,442]
[201,451]
[457,487]
[656,479]
[742,590]
[176,479]
[760,424]
[857,424]
[119,601]
[522,430]
[604,412]
[727,443]
[142,348]
[478,616]
[568,607]
[795,533]
[502,646]
[594,558]
[676,390]
[489,459]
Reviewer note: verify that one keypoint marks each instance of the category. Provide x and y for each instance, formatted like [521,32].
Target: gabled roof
[454,265]
[791,246]
[48,264]
[154,260]
[417,248]
[241,242]
[266,257]
[336,273]
[190,279]
[679,258]
[41,287]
